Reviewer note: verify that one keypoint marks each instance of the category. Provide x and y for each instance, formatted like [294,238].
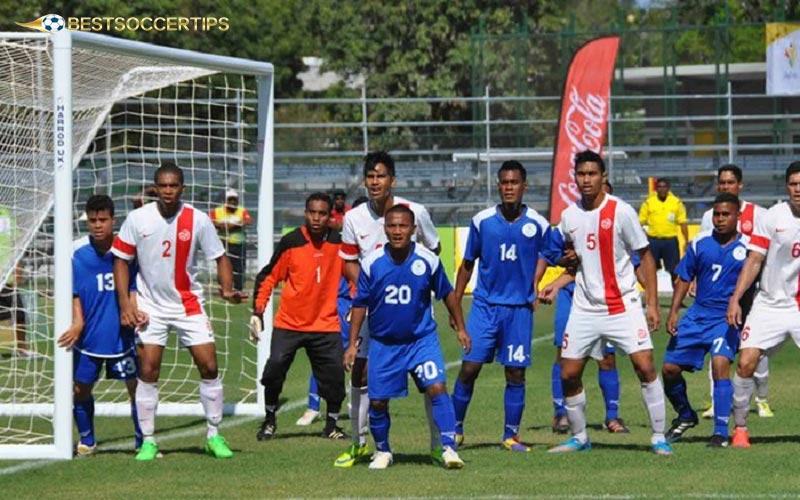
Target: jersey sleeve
[632,233]
[644,213]
[439,282]
[762,233]
[349,248]
[124,246]
[362,289]
[680,216]
[707,223]
[553,246]
[76,271]
[426,230]
[246,218]
[208,239]
[687,267]
[270,275]
[473,250]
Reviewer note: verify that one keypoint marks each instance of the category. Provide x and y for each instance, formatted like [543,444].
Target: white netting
[130,114]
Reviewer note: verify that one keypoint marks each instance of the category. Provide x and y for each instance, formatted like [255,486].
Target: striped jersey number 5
[591,241]
[509,253]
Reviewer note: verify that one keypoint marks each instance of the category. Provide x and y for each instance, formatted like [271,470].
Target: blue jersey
[93,285]
[715,267]
[398,296]
[507,253]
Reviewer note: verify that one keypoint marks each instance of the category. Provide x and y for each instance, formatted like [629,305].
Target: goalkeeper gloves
[256,327]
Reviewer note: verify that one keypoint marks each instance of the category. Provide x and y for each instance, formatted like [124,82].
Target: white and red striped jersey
[604,239]
[777,235]
[748,214]
[166,250]
[363,230]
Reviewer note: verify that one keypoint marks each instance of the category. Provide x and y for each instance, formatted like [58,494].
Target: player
[506,240]
[603,231]
[95,336]
[714,259]
[729,180]
[775,252]
[307,261]
[164,238]
[395,284]
[363,232]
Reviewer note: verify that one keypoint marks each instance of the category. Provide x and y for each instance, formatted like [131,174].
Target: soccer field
[297,463]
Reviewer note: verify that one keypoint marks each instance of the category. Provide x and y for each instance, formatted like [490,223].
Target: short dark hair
[98,203]
[319,196]
[610,188]
[730,167]
[512,165]
[359,201]
[338,192]
[663,180]
[168,167]
[402,209]
[589,155]
[793,168]
[372,159]
[727,198]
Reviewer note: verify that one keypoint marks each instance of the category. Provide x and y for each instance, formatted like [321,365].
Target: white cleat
[764,411]
[708,413]
[308,418]
[451,460]
[381,460]
[83,450]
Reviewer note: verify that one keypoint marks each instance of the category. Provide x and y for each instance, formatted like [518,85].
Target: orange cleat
[741,438]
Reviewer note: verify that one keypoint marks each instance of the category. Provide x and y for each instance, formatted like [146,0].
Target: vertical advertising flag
[584,116]
[783,66]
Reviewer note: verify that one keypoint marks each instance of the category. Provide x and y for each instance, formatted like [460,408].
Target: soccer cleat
[679,427]
[308,418]
[741,438]
[570,445]
[381,460]
[662,448]
[459,439]
[560,425]
[436,456]
[352,456]
[148,452]
[708,414]
[764,411]
[84,450]
[718,441]
[616,426]
[217,447]
[334,432]
[267,430]
[451,459]
[513,444]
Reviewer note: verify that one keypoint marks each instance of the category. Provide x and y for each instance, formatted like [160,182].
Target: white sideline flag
[783,64]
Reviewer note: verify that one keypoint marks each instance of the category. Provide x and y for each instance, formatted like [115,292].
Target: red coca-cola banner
[584,117]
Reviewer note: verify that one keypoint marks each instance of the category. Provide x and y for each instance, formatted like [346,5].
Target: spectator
[230,220]
[339,208]
[663,213]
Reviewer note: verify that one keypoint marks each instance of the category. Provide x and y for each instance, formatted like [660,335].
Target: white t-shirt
[748,214]
[363,231]
[777,235]
[166,250]
[604,239]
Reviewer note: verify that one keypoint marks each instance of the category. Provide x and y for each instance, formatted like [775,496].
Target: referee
[662,214]
[307,261]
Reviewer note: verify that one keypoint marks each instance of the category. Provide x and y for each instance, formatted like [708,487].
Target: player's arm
[352,269]
[129,315]
[267,279]
[681,219]
[453,305]
[462,278]
[225,279]
[357,315]
[549,292]
[648,267]
[681,289]
[73,333]
[541,267]
[748,275]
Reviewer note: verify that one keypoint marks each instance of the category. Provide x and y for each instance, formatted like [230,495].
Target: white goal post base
[124,410]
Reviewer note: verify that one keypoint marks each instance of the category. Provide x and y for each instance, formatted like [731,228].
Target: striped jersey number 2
[509,253]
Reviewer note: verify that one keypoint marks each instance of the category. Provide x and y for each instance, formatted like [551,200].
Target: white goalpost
[84,114]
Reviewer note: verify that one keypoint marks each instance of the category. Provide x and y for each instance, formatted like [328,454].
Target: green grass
[297,463]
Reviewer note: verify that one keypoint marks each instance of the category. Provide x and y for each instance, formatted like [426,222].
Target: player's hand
[349,357]
[734,315]
[548,294]
[68,338]
[569,259]
[672,323]
[464,340]
[653,317]
[693,288]
[131,317]
[233,296]
[256,326]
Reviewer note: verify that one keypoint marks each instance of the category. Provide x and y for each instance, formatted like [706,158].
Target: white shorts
[586,334]
[192,330]
[768,327]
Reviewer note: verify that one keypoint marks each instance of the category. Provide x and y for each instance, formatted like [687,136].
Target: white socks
[211,398]
[762,378]
[359,414]
[435,437]
[653,395]
[146,404]
[742,393]
[576,414]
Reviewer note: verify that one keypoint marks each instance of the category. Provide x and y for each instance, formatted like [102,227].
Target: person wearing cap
[230,220]
[339,208]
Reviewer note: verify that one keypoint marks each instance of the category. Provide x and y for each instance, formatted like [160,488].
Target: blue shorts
[500,332]
[563,308]
[698,334]
[86,368]
[389,365]
[343,307]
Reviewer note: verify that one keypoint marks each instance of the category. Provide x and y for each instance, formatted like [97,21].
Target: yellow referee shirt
[662,218]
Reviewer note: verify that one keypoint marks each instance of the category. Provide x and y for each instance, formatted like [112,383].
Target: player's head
[231,198]
[399,224]
[729,179]
[725,214]
[379,175]
[512,182]
[590,173]
[339,198]
[169,184]
[100,215]
[793,183]
[608,188]
[662,188]
[318,212]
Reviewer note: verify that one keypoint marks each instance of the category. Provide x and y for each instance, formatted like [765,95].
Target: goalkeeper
[307,260]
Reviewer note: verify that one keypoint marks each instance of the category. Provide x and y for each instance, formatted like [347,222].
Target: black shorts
[667,250]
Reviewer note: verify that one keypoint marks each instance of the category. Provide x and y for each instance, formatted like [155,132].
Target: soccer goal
[80,114]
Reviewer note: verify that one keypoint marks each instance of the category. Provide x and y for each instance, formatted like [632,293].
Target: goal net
[84,114]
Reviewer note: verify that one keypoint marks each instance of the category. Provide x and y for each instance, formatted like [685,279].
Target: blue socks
[379,423]
[462,395]
[609,385]
[137,431]
[680,401]
[83,412]
[558,394]
[514,405]
[445,418]
[313,394]
[723,400]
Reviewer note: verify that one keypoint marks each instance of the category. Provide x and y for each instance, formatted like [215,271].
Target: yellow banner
[775,31]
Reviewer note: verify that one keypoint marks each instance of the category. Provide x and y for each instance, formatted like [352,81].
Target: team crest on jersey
[418,268]
[747,226]
[185,235]
[605,223]
[529,230]
[739,253]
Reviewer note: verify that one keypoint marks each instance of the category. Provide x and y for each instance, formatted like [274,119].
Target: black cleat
[616,426]
[334,432]
[560,425]
[267,430]
[679,427]
[718,441]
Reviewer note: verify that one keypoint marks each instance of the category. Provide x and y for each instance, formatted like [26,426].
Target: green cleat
[148,452]
[352,456]
[436,456]
[217,447]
